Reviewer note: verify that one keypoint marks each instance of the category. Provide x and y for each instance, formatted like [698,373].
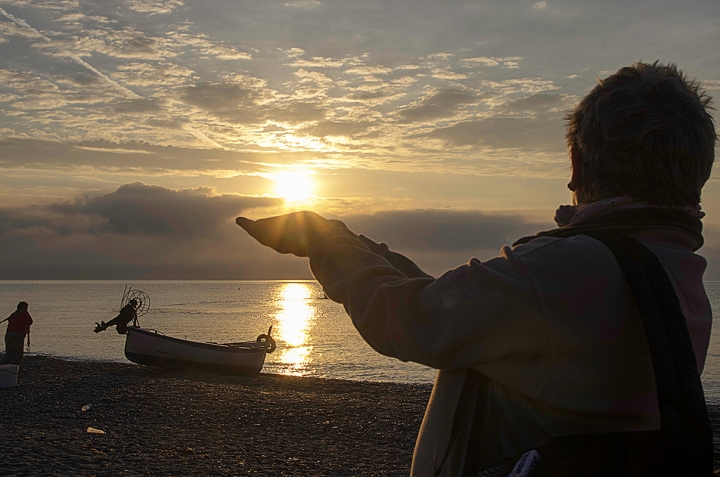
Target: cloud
[143,209]
[536,103]
[294,52]
[512,62]
[438,240]
[65,5]
[58,49]
[318,62]
[83,80]
[711,84]
[33,262]
[531,123]
[439,56]
[314,77]
[440,103]
[78,20]
[26,83]
[158,74]
[447,74]
[94,157]
[134,106]
[482,60]
[146,231]
[442,230]
[296,112]
[100,90]
[223,52]
[368,70]
[334,128]
[136,231]
[204,45]
[134,208]
[544,133]
[17,27]
[154,7]
[219,96]
[127,43]
[304,4]
[373,91]
[229,100]
[521,85]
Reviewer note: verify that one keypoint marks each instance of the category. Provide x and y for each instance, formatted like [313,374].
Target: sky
[132,133]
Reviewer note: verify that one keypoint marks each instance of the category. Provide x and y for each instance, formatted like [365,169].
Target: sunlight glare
[294,318]
[293,186]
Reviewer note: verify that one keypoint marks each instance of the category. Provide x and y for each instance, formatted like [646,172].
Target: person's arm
[401,262]
[474,314]
[11,315]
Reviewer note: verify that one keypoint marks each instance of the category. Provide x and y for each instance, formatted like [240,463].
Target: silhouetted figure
[18,327]
[582,344]
[127,314]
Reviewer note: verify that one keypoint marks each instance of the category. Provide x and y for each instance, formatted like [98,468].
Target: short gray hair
[647,132]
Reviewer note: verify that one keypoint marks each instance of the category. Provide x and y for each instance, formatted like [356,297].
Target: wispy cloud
[154,7]
[31,32]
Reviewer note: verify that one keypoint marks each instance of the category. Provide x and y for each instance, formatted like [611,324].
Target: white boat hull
[152,348]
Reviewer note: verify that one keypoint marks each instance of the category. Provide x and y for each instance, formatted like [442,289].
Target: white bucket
[9,375]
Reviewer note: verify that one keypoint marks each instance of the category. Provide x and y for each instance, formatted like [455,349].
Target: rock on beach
[157,422]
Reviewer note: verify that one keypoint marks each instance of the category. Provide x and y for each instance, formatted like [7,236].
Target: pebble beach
[157,422]
[68,418]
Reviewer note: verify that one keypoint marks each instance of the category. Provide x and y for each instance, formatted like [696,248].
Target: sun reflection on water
[294,318]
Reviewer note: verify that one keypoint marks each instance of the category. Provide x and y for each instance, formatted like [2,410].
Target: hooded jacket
[551,323]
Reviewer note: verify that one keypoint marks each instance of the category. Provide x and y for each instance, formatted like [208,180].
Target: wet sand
[158,422]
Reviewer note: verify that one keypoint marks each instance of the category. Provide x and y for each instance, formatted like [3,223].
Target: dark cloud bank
[142,231]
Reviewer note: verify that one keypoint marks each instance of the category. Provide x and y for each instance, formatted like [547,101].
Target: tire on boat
[270,346]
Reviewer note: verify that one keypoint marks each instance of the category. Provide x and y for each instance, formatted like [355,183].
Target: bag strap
[683,411]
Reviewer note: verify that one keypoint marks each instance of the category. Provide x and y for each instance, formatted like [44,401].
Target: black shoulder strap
[683,411]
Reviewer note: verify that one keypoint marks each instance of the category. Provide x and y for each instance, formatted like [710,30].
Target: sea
[314,335]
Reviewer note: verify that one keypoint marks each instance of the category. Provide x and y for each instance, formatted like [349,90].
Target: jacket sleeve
[400,262]
[474,314]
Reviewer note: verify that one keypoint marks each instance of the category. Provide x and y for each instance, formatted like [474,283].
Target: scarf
[622,216]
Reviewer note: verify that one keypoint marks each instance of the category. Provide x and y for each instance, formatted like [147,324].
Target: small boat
[152,348]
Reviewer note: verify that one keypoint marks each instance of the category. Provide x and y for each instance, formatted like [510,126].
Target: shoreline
[160,422]
[125,361]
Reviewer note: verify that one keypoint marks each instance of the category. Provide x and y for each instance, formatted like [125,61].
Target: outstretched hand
[289,233]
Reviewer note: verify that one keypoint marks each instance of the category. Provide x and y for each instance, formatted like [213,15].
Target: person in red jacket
[18,326]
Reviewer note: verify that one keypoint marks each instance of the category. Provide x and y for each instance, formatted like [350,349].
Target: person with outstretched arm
[18,327]
[128,313]
[577,350]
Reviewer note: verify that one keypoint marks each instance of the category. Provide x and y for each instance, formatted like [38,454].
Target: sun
[294,186]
